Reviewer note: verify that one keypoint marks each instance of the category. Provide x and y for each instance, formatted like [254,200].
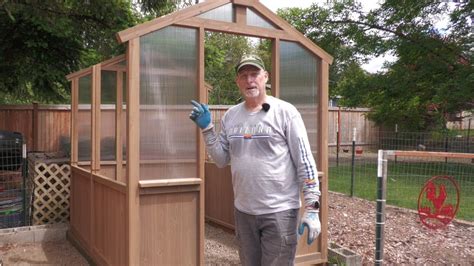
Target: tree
[42,42]
[433,77]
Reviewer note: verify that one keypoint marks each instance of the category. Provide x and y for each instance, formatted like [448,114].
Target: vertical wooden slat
[35,127]
[275,82]
[133,143]
[323,152]
[74,111]
[118,127]
[201,147]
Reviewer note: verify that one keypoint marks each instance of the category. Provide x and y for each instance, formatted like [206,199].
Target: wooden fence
[47,127]
[44,127]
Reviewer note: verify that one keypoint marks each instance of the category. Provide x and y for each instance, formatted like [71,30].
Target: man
[265,141]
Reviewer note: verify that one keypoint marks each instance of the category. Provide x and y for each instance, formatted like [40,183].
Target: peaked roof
[190,17]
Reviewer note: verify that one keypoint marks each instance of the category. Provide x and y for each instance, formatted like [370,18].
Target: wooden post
[202,91]
[133,152]
[323,154]
[240,15]
[95,112]
[275,82]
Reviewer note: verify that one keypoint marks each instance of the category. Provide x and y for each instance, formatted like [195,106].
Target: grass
[405,181]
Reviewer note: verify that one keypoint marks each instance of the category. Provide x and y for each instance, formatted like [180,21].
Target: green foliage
[158,8]
[433,77]
[42,42]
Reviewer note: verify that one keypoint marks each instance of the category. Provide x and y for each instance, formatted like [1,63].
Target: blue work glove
[200,114]
[310,219]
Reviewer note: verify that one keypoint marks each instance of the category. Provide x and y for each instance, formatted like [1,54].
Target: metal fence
[353,170]
[448,141]
[14,190]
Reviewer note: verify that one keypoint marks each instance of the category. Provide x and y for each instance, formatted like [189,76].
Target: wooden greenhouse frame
[118,217]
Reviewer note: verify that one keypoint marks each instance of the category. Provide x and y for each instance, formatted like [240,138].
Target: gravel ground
[407,240]
[48,253]
[351,224]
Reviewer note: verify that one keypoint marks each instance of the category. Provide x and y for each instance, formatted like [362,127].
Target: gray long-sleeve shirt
[270,157]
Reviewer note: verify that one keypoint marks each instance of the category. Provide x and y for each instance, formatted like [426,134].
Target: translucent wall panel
[299,84]
[254,19]
[108,100]
[84,127]
[222,13]
[168,82]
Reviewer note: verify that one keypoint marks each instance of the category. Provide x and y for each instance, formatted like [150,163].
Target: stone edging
[33,234]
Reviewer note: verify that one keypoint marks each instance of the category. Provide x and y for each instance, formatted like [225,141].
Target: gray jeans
[268,239]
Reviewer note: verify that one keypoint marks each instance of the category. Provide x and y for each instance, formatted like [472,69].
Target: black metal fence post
[24,168]
[380,215]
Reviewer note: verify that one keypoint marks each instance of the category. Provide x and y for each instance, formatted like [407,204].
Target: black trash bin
[10,150]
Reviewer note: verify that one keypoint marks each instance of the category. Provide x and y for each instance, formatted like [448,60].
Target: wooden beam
[80,73]
[133,152]
[432,154]
[86,71]
[167,20]
[169,182]
[226,27]
[112,61]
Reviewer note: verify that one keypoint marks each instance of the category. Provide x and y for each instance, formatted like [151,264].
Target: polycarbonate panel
[84,125]
[254,19]
[108,100]
[299,84]
[168,82]
[222,13]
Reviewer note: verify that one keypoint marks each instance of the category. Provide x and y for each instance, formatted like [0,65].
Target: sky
[374,65]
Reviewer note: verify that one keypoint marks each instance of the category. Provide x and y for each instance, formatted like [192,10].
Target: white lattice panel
[51,193]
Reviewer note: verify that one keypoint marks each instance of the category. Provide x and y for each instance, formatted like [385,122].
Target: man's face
[251,81]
